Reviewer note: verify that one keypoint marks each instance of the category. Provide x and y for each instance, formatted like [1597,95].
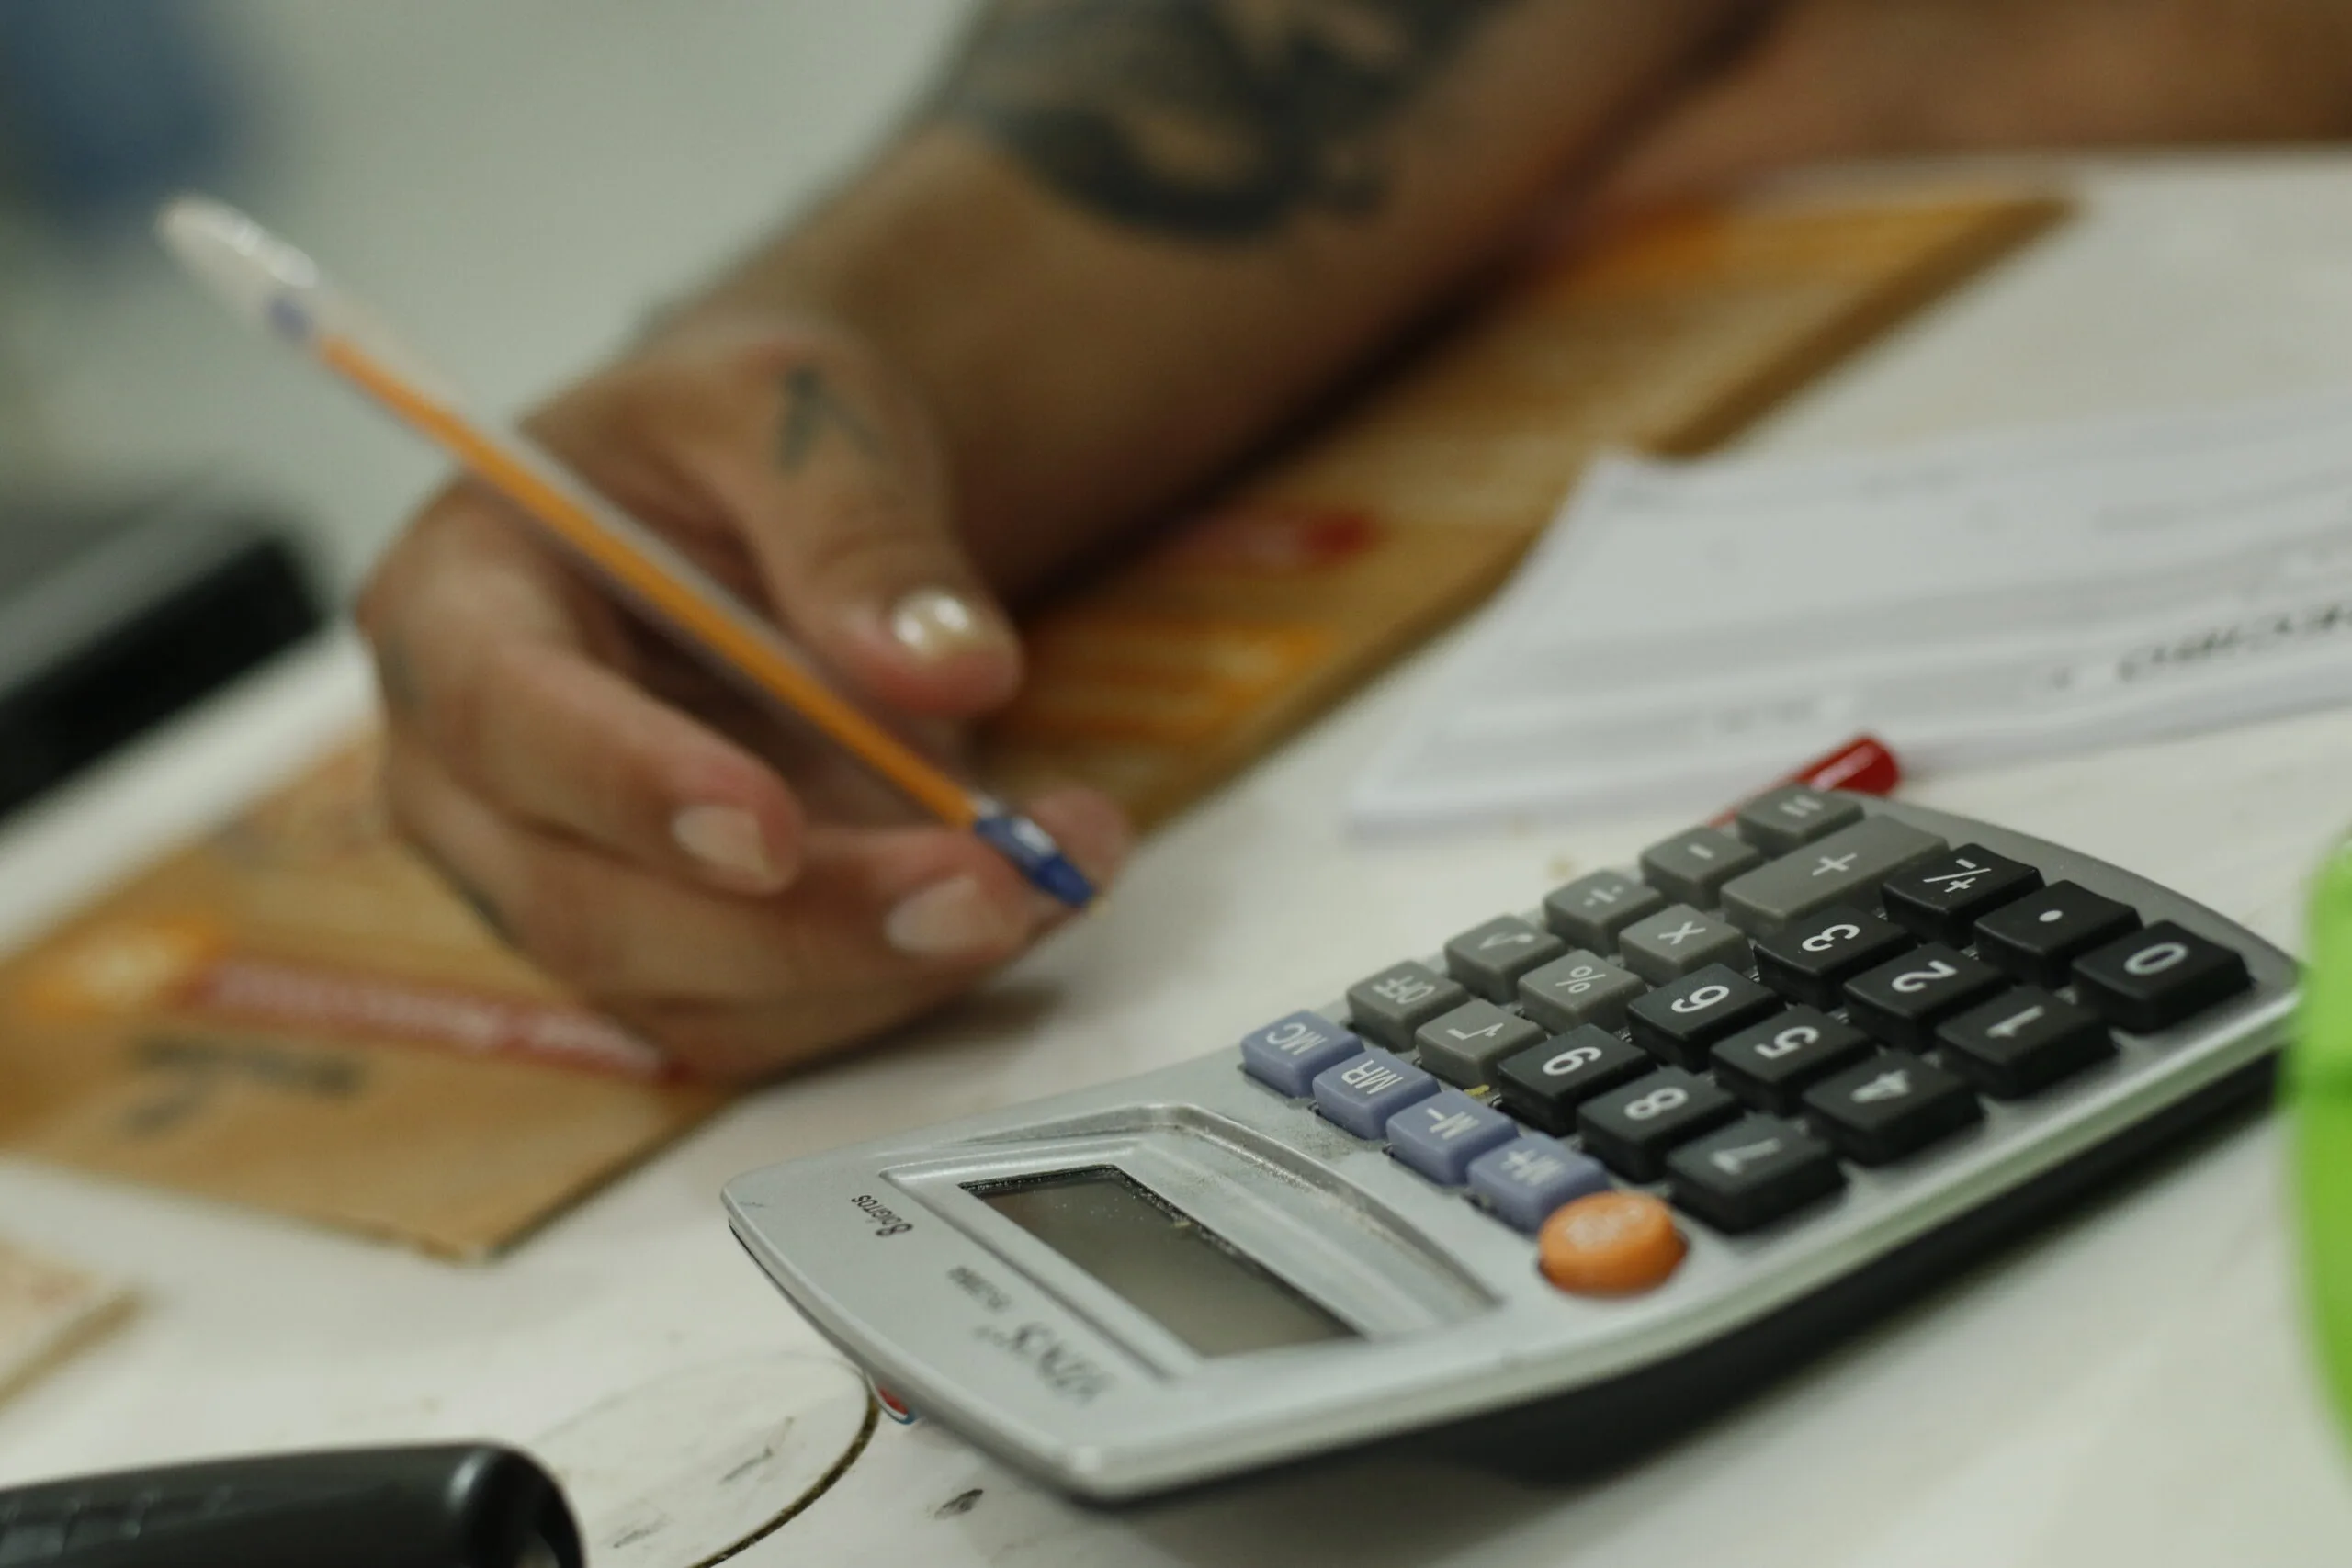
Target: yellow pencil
[273,284]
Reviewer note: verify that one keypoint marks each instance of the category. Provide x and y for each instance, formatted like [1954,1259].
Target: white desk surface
[2129,1387]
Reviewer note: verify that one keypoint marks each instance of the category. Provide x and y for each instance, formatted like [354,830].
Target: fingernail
[951,919]
[726,839]
[933,624]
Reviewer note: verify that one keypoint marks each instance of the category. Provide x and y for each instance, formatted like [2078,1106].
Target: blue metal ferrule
[1032,851]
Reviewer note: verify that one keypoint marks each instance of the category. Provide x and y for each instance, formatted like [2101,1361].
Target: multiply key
[1677,941]
[1844,868]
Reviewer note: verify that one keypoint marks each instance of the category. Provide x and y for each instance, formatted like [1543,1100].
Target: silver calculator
[1553,1194]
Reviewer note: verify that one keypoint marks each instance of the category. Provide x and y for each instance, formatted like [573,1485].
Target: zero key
[2154,978]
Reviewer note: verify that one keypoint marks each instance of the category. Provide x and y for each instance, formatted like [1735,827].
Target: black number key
[1812,960]
[1752,1172]
[1771,1064]
[1680,1020]
[1391,1005]
[1544,1084]
[2154,979]
[1902,1001]
[1489,959]
[1890,1106]
[2022,1040]
[1941,900]
[1631,1129]
[2036,938]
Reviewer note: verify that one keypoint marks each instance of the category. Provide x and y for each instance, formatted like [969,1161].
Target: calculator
[1557,1190]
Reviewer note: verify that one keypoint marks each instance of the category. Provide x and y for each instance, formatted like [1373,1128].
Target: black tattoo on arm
[811,407]
[1208,119]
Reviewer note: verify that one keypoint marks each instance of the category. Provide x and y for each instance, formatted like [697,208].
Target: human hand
[1821,79]
[737,890]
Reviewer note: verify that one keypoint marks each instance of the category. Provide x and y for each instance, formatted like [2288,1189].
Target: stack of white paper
[1689,629]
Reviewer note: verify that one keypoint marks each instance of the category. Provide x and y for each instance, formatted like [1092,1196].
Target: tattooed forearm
[1215,119]
[811,407]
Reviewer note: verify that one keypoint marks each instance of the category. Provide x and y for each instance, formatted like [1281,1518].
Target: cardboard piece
[48,1308]
[294,1014]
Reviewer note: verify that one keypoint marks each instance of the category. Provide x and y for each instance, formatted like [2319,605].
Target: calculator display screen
[1169,1265]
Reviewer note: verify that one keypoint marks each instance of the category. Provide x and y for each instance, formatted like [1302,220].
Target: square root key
[1463,1046]
[1591,911]
[1677,941]
[1690,868]
[1391,1005]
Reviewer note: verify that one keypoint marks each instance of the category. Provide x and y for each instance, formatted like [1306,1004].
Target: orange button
[1609,1243]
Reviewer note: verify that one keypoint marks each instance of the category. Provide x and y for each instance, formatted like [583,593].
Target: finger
[487,662]
[817,967]
[836,488]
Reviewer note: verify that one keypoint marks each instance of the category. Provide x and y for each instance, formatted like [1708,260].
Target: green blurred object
[2319,1091]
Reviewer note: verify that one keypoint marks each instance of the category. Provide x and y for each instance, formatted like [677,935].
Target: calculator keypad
[1741,1035]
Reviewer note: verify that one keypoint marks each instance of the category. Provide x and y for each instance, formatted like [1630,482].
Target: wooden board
[1168,676]
[294,1014]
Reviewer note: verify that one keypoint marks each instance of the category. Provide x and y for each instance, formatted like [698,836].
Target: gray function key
[1489,959]
[1846,867]
[1581,988]
[1592,910]
[1679,940]
[1463,1046]
[1791,816]
[1690,868]
[1391,1005]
